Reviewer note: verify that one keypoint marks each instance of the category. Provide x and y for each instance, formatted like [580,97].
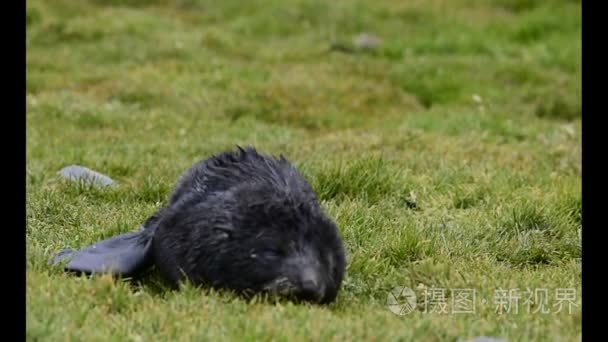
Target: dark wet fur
[246,222]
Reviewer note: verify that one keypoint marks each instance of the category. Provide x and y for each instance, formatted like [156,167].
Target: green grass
[449,156]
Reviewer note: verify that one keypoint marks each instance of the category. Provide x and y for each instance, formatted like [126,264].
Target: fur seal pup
[239,220]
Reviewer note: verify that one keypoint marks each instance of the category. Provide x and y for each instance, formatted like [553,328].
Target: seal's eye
[270,253]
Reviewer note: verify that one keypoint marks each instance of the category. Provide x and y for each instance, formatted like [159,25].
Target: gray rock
[366,41]
[83,174]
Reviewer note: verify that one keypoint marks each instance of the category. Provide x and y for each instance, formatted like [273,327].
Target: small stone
[366,41]
[81,173]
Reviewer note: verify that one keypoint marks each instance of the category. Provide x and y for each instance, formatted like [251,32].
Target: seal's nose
[310,287]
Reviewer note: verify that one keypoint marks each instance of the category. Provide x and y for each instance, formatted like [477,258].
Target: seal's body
[238,220]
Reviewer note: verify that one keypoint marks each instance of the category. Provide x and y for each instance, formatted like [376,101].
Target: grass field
[449,156]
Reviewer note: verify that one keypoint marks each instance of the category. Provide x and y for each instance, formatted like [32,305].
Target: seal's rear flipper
[122,255]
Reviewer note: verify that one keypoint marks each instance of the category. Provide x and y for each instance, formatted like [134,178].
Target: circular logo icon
[401,300]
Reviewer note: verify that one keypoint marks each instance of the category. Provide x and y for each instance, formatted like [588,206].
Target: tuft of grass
[369,179]
[560,108]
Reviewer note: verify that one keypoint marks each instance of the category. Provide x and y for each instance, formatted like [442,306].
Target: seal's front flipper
[122,255]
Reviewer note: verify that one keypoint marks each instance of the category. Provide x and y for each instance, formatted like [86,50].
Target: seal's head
[261,241]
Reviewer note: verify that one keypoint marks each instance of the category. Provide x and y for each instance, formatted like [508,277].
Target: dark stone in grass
[83,174]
